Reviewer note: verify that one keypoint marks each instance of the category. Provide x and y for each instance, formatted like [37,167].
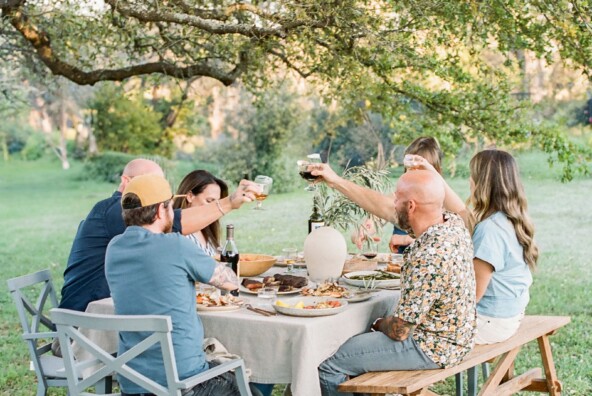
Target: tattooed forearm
[396,328]
[224,277]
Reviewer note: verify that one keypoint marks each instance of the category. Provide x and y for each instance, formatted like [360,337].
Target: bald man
[433,325]
[84,277]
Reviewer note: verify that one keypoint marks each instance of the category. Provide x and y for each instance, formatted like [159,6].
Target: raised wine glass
[264,183]
[305,173]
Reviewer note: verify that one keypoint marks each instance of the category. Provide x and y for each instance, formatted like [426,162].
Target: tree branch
[41,42]
[214,27]
[291,65]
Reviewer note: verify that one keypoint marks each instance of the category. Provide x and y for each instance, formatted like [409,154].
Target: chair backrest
[104,364]
[33,314]
[31,294]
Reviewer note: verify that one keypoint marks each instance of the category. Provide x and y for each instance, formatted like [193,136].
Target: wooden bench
[501,381]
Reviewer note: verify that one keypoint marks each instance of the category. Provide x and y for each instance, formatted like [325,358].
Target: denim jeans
[370,352]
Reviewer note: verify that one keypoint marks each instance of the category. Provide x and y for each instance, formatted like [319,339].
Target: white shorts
[491,330]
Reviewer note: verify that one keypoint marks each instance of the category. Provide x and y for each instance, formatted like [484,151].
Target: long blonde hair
[497,187]
[429,148]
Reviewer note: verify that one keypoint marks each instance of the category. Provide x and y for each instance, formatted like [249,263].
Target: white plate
[360,283]
[243,289]
[311,312]
[231,307]
[358,297]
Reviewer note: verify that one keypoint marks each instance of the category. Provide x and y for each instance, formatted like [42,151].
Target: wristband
[220,207]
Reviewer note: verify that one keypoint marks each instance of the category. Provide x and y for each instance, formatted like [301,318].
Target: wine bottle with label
[316,219]
[230,254]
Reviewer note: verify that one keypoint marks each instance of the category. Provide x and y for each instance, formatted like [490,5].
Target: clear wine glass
[264,183]
[305,173]
[369,248]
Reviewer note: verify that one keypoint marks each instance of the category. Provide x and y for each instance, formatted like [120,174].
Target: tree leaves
[454,59]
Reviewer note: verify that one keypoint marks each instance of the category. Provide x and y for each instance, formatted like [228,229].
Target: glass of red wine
[305,172]
[369,248]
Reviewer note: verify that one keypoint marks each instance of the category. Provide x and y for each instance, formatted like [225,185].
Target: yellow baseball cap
[150,189]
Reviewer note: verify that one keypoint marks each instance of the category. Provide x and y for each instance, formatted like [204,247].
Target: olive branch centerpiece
[340,212]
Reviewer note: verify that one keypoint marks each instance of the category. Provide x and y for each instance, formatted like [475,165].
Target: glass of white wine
[264,183]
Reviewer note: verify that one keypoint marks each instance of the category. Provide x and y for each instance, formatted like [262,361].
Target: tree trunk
[62,149]
[216,116]
[4,148]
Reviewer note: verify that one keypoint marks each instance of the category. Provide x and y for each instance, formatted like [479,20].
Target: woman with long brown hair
[504,247]
[200,188]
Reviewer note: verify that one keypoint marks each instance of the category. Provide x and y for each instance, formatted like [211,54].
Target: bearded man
[433,325]
[152,271]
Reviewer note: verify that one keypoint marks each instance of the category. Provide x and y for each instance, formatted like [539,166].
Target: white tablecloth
[287,350]
[279,349]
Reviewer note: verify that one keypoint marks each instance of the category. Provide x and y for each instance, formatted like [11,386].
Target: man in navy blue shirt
[84,277]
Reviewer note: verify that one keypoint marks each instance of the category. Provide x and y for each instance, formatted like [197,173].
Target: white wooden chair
[104,364]
[38,330]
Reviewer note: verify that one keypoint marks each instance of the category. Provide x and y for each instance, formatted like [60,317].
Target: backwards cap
[150,189]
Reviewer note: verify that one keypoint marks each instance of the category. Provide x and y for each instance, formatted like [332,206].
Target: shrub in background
[263,135]
[108,166]
[124,122]
[35,147]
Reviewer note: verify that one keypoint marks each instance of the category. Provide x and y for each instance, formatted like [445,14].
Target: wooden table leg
[553,384]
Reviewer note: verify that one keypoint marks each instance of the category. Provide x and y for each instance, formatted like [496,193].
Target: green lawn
[41,206]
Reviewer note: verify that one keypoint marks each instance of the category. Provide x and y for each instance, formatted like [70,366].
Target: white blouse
[209,249]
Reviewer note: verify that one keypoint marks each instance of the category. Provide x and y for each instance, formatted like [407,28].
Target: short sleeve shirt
[154,274]
[507,292]
[84,277]
[438,291]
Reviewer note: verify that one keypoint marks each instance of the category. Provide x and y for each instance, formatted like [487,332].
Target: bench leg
[458,378]
[501,369]
[553,384]
[486,370]
[472,380]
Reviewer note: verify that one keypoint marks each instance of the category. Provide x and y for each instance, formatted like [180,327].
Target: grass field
[41,206]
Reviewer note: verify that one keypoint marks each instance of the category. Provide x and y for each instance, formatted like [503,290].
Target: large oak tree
[446,64]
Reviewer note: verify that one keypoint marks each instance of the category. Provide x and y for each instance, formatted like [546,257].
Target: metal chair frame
[37,327]
[104,364]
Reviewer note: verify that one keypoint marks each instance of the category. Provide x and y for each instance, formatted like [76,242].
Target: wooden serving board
[359,264]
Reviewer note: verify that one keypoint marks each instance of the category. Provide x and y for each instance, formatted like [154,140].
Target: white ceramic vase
[325,252]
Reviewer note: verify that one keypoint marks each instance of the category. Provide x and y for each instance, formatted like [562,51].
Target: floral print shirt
[438,291]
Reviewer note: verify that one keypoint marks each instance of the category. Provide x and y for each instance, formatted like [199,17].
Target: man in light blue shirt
[152,271]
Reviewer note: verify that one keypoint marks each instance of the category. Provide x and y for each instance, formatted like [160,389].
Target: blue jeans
[370,352]
[265,389]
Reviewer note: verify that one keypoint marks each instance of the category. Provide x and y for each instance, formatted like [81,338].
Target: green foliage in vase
[339,211]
